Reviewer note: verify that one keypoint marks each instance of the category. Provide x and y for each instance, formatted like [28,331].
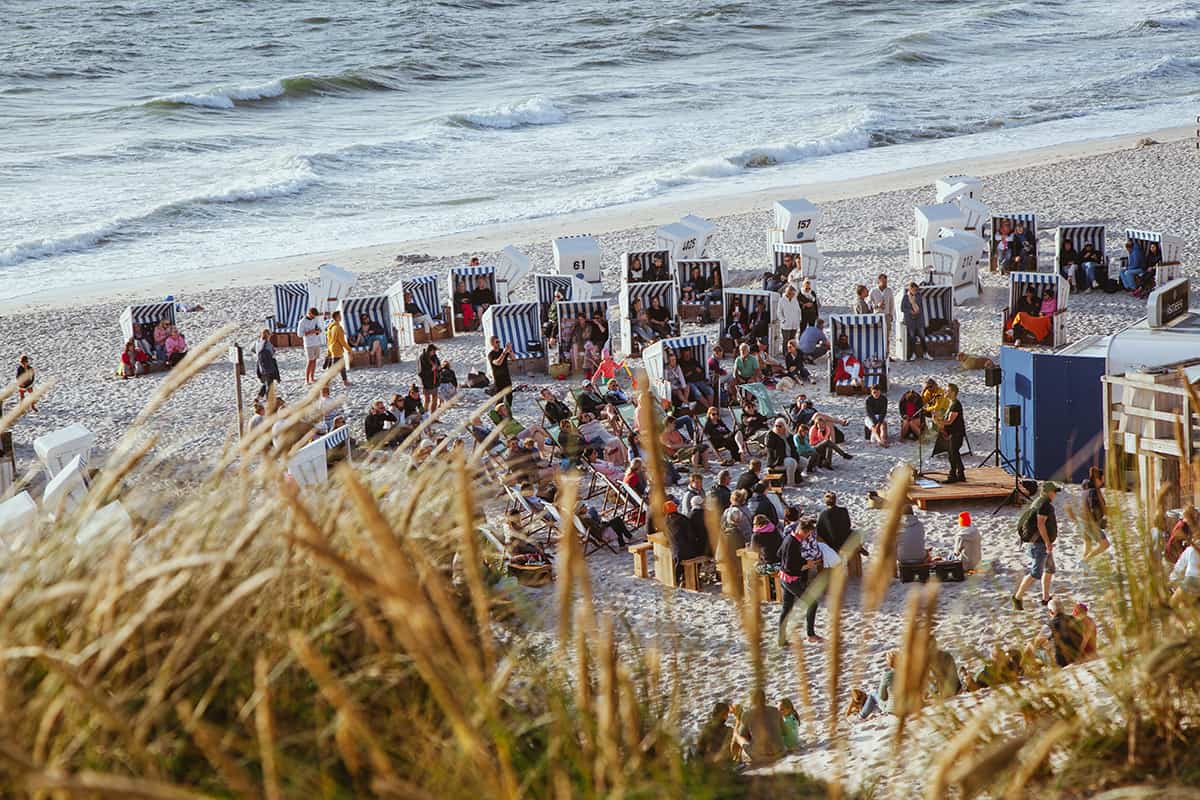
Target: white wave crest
[856,137]
[534,111]
[83,240]
[223,96]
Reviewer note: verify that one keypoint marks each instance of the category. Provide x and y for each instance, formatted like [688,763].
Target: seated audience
[813,341]
[833,524]
[876,419]
[378,420]
[912,420]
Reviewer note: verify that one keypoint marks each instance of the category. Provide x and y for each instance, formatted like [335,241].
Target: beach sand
[76,341]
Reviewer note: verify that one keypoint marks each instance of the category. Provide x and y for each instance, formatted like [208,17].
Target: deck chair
[66,490]
[18,517]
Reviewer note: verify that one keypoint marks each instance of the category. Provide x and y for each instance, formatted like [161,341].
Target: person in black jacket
[877,409]
[765,540]
[720,491]
[1095,517]
[428,367]
[556,410]
[267,367]
[679,533]
[749,479]
[719,434]
[800,561]
[781,452]
[761,504]
[374,425]
[698,523]
[833,524]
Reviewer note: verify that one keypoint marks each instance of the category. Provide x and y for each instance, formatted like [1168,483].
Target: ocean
[142,138]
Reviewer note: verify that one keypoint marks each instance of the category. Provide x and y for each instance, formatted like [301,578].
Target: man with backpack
[1038,528]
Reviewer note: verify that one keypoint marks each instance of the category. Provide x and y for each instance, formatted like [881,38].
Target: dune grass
[247,639]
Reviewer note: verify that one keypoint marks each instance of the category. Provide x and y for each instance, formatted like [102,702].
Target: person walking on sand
[335,341]
[267,367]
[501,376]
[1038,527]
[800,560]
[25,377]
[309,330]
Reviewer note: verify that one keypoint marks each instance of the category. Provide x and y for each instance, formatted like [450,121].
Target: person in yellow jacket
[335,341]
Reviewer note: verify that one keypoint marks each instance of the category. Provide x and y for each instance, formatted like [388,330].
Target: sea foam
[534,111]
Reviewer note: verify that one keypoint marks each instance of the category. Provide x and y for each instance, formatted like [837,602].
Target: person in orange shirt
[335,341]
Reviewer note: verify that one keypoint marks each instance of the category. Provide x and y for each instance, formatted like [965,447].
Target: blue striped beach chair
[1078,235]
[646,293]
[867,334]
[1169,246]
[291,304]
[517,325]
[379,309]
[1040,281]
[1030,222]
[937,310]
[471,275]
[654,359]
[699,308]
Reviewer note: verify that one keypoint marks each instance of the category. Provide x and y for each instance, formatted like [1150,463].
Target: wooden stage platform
[983,483]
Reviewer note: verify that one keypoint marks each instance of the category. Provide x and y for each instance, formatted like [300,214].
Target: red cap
[964,519]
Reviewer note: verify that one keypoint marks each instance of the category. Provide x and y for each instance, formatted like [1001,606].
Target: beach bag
[829,556]
[1027,532]
[477,380]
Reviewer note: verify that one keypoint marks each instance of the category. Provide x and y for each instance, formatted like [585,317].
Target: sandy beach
[75,341]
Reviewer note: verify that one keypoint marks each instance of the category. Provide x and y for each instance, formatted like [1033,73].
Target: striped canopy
[1040,281]
[654,357]
[377,307]
[867,335]
[1143,236]
[1014,217]
[291,303]
[336,437]
[547,285]
[1079,235]
[471,274]
[646,292]
[515,324]
[147,314]
[937,302]
[426,292]
[779,250]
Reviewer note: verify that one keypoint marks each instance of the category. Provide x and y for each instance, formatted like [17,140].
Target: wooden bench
[750,576]
[774,481]
[664,564]
[731,584]
[691,572]
[641,559]
[286,339]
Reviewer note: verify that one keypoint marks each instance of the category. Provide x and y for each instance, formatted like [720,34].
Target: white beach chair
[975,219]
[426,292]
[795,221]
[66,490]
[310,465]
[937,304]
[680,240]
[747,299]
[18,518]
[705,230]
[930,221]
[333,285]
[654,358]
[664,291]
[953,187]
[518,325]
[511,268]
[954,261]
[579,256]
[107,522]
[57,448]
[867,334]
[807,253]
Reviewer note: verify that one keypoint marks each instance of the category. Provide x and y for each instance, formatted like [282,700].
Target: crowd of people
[161,345]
